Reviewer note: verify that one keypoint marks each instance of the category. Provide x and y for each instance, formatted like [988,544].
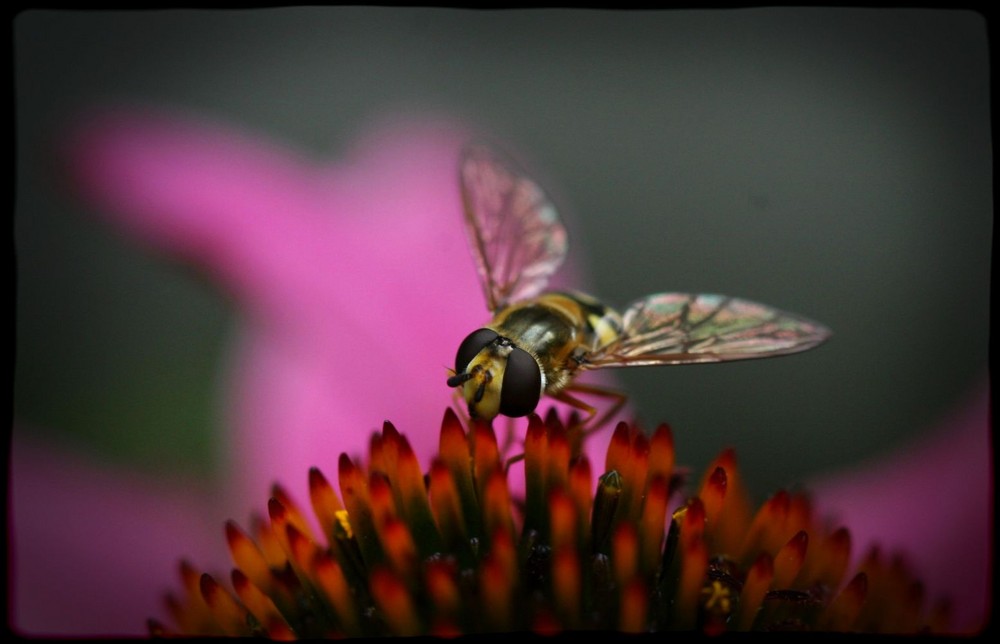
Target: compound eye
[522,384]
[471,346]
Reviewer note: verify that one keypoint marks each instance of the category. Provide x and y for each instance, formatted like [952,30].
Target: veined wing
[516,237]
[681,328]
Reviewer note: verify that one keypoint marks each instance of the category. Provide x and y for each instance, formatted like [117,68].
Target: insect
[537,342]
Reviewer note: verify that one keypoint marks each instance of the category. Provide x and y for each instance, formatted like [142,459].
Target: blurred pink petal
[934,503]
[357,285]
[94,549]
[356,279]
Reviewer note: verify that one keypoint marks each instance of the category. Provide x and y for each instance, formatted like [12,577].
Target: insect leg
[460,407]
[510,438]
[591,424]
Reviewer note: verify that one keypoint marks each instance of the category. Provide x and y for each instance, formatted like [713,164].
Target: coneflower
[452,551]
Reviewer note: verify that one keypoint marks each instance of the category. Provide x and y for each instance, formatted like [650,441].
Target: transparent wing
[681,328]
[516,237]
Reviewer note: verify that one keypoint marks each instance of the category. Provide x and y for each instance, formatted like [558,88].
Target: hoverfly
[537,342]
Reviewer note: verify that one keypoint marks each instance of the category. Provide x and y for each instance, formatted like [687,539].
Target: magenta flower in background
[328,263]
[355,284]
[932,500]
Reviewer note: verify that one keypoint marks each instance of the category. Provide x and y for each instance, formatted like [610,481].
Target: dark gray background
[833,162]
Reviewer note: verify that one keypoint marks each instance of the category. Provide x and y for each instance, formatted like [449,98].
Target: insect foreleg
[461,409]
[511,436]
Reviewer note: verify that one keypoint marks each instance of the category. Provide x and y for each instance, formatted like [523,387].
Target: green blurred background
[832,162]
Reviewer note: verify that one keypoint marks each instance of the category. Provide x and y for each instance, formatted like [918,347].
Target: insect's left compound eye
[471,346]
[522,384]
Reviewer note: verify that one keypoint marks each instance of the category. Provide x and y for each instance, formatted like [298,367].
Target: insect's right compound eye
[471,346]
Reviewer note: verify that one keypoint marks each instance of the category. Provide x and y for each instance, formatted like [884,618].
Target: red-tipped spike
[755,587]
[691,520]
[325,502]
[634,474]
[394,603]
[228,614]
[268,541]
[294,514]
[653,522]
[260,605]
[276,510]
[567,584]
[799,514]
[441,582]
[841,614]
[624,553]
[712,494]
[407,477]
[454,451]
[497,515]
[390,432]
[302,550]
[331,581]
[354,488]
[279,630]
[580,486]
[634,607]
[399,547]
[557,458]
[485,453]
[827,560]
[661,454]
[502,551]
[618,450]
[187,619]
[191,613]
[411,497]
[535,461]
[351,479]
[495,587]
[562,520]
[694,566]
[789,560]
[248,557]
[380,498]
[279,522]
[451,430]
[446,506]
[190,576]
[377,460]
[730,525]
[766,528]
